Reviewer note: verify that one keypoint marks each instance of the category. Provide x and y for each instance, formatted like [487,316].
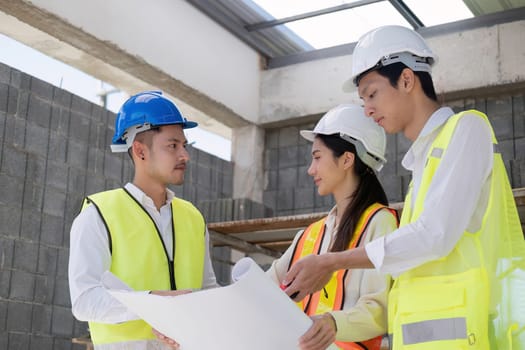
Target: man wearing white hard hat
[458,258]
[347,149]
[142,233]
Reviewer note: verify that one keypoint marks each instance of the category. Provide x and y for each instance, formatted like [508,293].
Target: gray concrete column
[247,157]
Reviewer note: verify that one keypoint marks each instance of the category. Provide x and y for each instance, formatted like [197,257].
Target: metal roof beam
[276,22]
[346,49]
[407,13]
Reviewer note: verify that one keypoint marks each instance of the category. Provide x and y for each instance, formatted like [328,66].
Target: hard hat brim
[189,124]
[308,135]
[348,85]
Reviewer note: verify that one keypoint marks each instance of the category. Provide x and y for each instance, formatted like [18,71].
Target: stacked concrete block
[244,209]
[222,264]
[217,210]
[518,163]
[228,209]
[288,189]
[207,178]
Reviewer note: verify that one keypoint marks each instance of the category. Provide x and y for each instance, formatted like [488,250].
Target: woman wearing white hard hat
[458,257]
[347,149]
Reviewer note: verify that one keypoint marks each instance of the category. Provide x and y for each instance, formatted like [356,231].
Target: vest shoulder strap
[310,241]
[181,205]
[443,139]
[100,198]
[365,220]
[110,195]
[433,159]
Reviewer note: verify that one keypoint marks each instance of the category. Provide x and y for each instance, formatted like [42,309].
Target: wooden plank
[280,246]
[241,245]
[265,224]
[83,340]
[257,231]
[519,196]
[301,221]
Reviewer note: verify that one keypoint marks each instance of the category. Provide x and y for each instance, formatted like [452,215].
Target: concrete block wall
[207,178]
[229,209]
[507,116]
[54,150]
[289,190]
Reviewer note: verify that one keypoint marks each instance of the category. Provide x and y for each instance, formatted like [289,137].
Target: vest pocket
[440,312]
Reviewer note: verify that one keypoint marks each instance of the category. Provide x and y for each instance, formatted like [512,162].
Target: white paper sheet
[252,313]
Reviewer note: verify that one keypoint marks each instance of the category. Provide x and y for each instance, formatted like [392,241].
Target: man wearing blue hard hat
[141,233]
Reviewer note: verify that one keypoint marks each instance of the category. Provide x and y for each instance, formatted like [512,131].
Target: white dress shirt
[363,315]
[89,258]
[456,198]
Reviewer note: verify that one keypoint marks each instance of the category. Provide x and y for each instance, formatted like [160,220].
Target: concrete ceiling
[220,79]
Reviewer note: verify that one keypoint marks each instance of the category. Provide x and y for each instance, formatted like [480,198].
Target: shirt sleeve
[209,280]
[89,258]
[453,198]
[366,318]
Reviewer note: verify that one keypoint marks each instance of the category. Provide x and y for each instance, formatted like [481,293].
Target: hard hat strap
[129,137]
[367,158]
[414,62]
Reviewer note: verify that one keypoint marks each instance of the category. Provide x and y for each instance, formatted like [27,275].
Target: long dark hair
[368,191]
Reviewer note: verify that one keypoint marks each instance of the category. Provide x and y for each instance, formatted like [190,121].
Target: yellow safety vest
[474,298]
[331,297]
[139,258]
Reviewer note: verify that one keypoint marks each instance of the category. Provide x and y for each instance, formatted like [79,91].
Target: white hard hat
[350,123]
[386,45]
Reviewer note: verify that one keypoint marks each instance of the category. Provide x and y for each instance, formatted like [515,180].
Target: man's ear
[138,150]
[407,79]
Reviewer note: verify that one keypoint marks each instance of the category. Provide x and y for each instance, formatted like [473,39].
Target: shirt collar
[333,211]
[330,219]
[143,198]
[436,120]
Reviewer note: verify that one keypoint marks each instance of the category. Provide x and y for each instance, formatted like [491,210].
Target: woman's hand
[320,335]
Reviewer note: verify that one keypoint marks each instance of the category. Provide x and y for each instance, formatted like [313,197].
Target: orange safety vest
[331,297]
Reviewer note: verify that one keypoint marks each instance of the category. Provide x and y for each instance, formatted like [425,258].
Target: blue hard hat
[148,107]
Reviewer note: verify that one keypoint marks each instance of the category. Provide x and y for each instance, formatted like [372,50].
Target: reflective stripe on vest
[309,243]
[432,330]
[140,259]
[331,297]
[463,300]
